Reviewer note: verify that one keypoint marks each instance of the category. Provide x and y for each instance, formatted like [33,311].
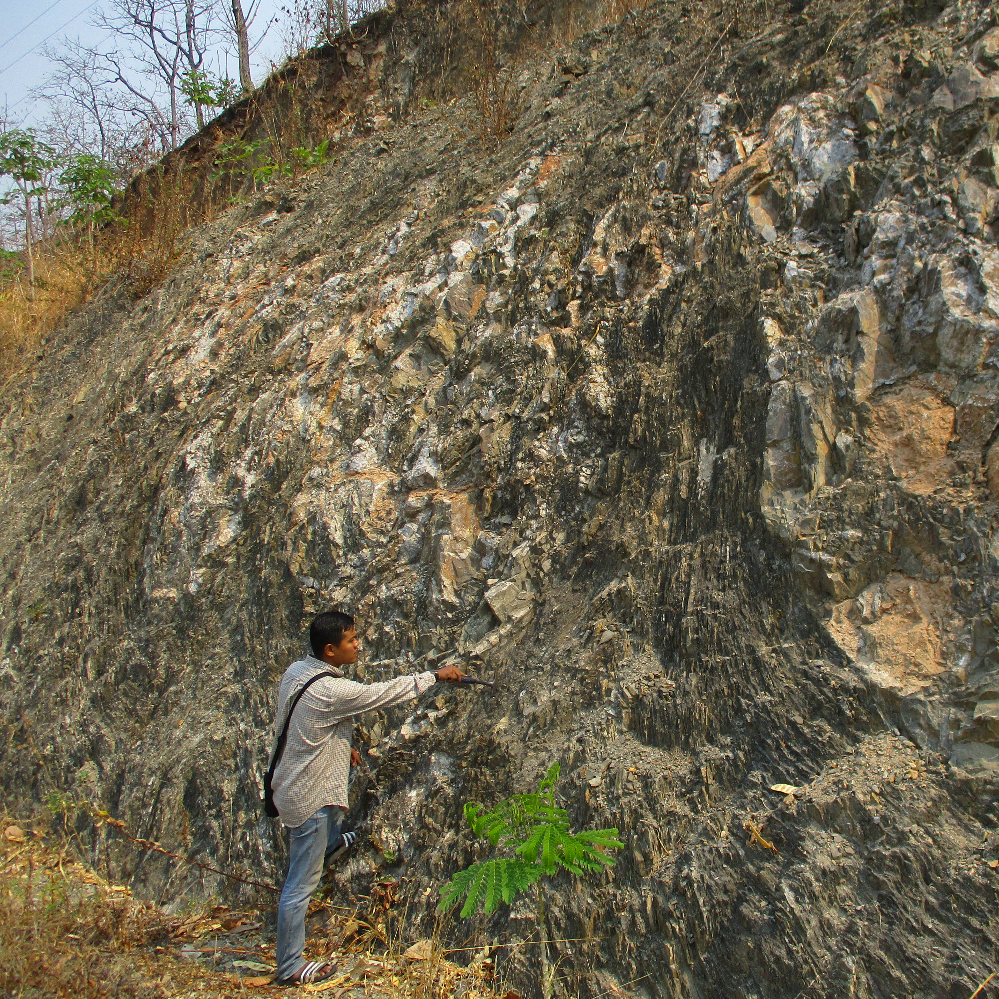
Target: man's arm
[355,698]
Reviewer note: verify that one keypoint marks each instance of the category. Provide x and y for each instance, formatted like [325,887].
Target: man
[310,782]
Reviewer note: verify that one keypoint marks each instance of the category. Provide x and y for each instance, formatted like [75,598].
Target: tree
[202,90]
[89,183]
[168,39]
[90,112]
[25,159]
[240,25]
[335,18]
[84,108]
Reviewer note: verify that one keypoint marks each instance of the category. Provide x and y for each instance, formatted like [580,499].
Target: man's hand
[449,674]
[355,758]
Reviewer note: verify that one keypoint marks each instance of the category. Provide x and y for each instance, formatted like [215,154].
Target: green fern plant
[536,831]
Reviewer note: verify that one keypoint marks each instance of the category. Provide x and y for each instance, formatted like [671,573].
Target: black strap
[269,807]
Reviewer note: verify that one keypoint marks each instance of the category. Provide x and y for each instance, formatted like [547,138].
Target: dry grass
[136,254]
[62,283]
[67,932]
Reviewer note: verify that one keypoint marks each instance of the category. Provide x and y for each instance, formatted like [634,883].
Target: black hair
[328,629]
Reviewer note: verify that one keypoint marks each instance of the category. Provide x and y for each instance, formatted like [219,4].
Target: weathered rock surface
[677,407]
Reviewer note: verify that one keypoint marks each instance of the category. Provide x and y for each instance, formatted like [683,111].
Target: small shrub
[536,830]
[306,158]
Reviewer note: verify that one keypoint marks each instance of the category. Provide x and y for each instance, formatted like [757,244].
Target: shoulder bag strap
[279,748]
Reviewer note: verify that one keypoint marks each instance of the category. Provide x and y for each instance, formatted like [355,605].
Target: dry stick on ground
[978,991]
[853,13]
[521,943]
[632,982]
[583,350]
[147,844]
[755,835]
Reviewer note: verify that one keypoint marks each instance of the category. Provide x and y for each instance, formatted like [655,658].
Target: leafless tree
[168,39]
[335,18]
[311,22]
[84,113]
[299,29]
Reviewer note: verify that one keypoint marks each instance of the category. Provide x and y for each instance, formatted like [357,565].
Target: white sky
[26,26]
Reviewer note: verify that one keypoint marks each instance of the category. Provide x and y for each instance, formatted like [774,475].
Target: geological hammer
[472,679]
[449,659]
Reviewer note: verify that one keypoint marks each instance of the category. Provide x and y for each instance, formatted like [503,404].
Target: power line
[29,24]
[30,96]
[24,55]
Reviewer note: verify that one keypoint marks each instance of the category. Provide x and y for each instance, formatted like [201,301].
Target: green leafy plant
[198,87]
[90,189]
[26,159]
[536,831]
[235,157]
[226,92]
[305,158]
[11,263]
[264,173]
[202,90]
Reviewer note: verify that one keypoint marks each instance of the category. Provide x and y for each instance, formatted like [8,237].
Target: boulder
[991,464]
[425,473]
[764,208]
[868,106]
[977,202]
[852,322]
[986,51]
[976,758]
[509,600]
[963,87]
[464,298]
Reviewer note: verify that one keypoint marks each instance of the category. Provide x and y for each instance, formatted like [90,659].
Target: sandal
[347,840]
[310,973]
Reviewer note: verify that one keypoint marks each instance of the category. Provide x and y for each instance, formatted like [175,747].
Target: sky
[26,26]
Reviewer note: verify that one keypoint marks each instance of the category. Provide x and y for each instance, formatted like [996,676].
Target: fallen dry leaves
[100,941]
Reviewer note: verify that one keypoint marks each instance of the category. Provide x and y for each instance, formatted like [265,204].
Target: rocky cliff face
[675,407]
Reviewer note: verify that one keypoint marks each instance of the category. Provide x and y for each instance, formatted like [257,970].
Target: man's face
[345,653]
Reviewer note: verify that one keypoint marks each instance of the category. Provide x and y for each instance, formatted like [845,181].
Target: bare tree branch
[169,38]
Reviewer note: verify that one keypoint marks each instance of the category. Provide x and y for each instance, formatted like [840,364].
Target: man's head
[333,638]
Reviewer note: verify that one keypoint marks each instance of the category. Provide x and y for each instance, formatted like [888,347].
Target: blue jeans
[308,846]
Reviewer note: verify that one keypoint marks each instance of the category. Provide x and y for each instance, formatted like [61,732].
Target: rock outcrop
[675,408]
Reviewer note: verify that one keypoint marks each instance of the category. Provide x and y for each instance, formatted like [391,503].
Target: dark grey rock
[696,474]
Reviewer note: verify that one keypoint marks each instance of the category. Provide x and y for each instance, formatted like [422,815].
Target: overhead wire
[21,31]
[48,37]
